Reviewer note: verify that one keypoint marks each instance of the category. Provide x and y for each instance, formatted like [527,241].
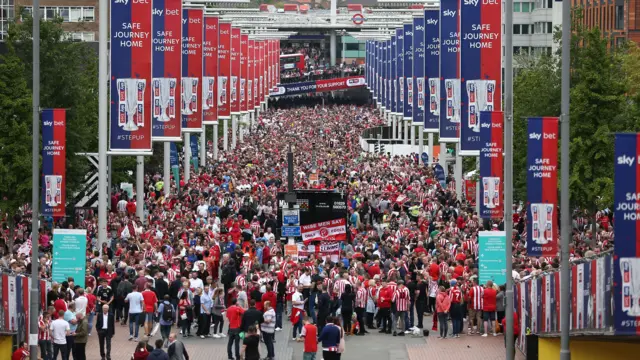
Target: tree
[536,92]
[15,138]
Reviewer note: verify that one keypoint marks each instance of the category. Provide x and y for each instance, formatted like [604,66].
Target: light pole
[35,188]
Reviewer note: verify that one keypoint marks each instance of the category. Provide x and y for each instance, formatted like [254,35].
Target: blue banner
[69,255]
[432,69]
[394,74]
[418,71]
[491,165]
[408,72]
[195,151]
[449,71]
[173,155]
[367,61]
[54,162]
[378,65]
[389,74]
[627,245]
[492,247]
[400,67]
[383,69]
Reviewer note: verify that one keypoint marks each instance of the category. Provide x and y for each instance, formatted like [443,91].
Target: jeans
[309,356]
[218,322]
[71,340]
[62,349]
[46,352]
[204,323]
[346,320]
[385,319]
[165,330]
[456,318]
[234,337]
[185,325]
[90,321]
[134,322]
[431,305]
[444,325]
[399,317]
[279,309]
[312,306]
[298,326]
[268,342]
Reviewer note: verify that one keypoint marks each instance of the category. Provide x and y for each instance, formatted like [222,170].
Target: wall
[592,349]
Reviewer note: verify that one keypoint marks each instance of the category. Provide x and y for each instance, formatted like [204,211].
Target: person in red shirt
[458,271]
[269,295]
[150,307]
[59,305]
[309,336]
[22,352]
[516,331]
[489,307]
[384,307]
[234,315]
[91,307]
[374,269]
[434,269]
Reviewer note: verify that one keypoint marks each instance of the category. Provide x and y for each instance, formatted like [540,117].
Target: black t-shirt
[104,294]
[252,351]
[412,286]
[423,288]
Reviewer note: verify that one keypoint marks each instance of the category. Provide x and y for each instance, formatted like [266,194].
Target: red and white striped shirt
[401,298]
[338,287]
[327,285]
[444,268]
[475,297]
[43,335]
[247,264]
[242,281]
[361,298]
[392,285]
[171,275]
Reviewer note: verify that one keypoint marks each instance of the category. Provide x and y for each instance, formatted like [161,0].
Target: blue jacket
[158,354]
[330,336]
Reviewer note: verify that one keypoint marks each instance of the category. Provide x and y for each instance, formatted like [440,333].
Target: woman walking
[348,298]
[218,308]
[185,311]
[443,304]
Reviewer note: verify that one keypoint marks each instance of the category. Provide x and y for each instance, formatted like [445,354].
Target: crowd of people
[208,261]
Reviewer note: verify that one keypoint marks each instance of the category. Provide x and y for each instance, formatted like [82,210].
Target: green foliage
[536,92]
[15,138]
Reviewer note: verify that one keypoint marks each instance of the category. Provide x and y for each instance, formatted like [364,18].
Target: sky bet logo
[537,136]
[432,21]
[471,2]
[487,125]
[626,160]
[123,2]
[409,33]
[450,13]
[419,28]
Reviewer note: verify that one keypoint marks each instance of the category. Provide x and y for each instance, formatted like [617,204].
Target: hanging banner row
[175,69]
[450,58]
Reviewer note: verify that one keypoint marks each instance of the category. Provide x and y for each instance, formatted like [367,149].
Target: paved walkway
[374,346]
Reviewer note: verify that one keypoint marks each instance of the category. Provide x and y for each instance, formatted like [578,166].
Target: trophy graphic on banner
[491,192]
[242,87]
[234,84]
[630,271]
[249,91]
[434,96]
[208,83]
[401,89]
[542,223]
[130,103]
[410,91]
[479,92]
[452,87]
[420,86]
[222,90]
[53,190]
[189,95]
[164,99]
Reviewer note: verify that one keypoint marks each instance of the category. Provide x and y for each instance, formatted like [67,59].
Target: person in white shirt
[203,210]
[60,329]
[305,282]
[81,302]
[136,305]
[122,205]
[195,282]
[269,235]
[298,301]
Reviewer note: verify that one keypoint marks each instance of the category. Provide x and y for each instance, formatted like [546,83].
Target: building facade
[619,20]
[534,22]
[80,17]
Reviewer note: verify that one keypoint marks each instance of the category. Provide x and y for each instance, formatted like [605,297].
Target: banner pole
[166,168]
[225,135]
[35,187]
[203,147]
[421,140]
[186,150]
[140,187]
[565,215]
[431,154]
[215,141]
[508,172]
[103,93]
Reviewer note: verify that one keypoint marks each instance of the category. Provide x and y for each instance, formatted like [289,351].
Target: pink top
[443,303]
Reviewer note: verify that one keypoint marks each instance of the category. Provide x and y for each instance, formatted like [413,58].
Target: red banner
[209,86]
[224,71]
[251,78]
[334,230]
[339,84]
[236,71]
[470,191]
[244,71]
[54,152]
[192,37]
[261,70]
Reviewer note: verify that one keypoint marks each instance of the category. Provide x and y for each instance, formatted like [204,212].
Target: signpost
[291,231]
[291,217]
[69,255]
[493,261]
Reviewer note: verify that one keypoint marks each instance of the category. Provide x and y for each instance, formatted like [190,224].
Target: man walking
[60,329]
[150,307]
[167,316]
[136,305]
[177,350]
[105,326]
[361,304]
[476,294]
[81,336]
[234,315]
[401,298]
[268,327]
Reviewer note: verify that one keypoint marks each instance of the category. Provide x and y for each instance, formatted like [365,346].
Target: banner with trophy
[131,52]
[626,277]
[480,68]
[235,71]
[389,65]
[192,54]
[244,71]
[260,77]
[400,70]
[167,70]
[393,70]
[418,70]
[432,70]
[384,72]
[251,83]
[224,71]
[542,186]
[210,69]
[378,71]
[491,165]
[54,160]
[450,71]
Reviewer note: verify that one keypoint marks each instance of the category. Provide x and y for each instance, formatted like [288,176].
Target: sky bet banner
[224,70]
[378,72]
[389,70]
[318,86]
[480,69]
[251,74]
[244,71]
[54,153]
[450,71]
[130,125]
[393,57]
[235,71]
[491,165]
[261,63]
[542,187]
[432,70]
[408,72]
[383,74]
[627,228]
[210,69]
[400,70]
[418,71]
[192,37]
[167,68]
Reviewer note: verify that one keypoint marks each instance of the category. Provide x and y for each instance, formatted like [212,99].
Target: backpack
[167,312]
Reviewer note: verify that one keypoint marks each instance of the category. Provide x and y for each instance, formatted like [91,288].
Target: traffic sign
[290,231]
[290,216]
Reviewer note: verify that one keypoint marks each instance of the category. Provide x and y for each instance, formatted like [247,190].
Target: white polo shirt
[59,329]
